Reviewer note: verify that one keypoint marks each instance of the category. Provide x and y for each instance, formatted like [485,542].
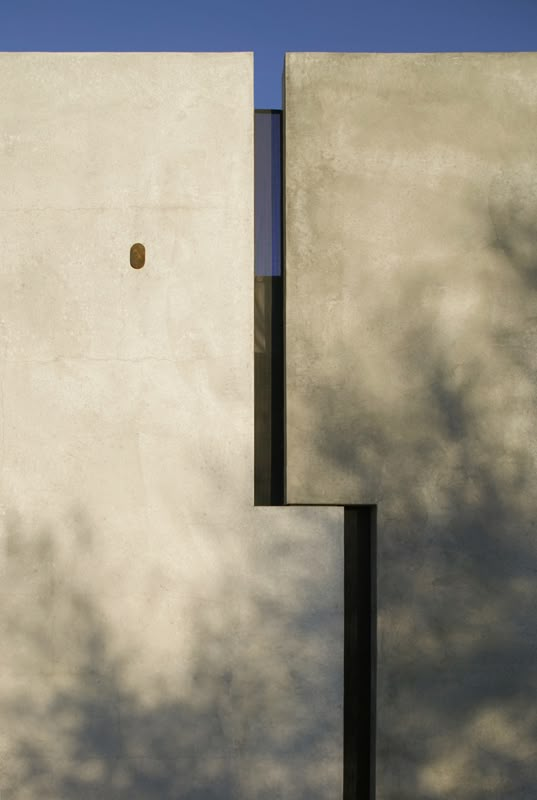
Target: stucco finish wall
[411,264]
[161,638]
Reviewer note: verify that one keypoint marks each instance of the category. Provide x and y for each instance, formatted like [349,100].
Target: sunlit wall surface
[161,638]
[411,341]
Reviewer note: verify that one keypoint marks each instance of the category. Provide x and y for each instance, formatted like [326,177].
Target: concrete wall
[411,241]
[160,637]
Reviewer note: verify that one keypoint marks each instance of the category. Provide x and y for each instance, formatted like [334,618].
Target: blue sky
[269,29]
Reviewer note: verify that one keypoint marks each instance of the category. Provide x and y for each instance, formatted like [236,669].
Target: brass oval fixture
[137,256]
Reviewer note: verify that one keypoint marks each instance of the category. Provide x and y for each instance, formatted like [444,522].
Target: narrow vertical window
[268,310]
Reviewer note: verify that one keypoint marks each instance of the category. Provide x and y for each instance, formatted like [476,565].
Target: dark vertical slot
[359,653]
[277,394]
[268,311]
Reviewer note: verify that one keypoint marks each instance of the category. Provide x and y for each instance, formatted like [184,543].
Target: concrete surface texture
[411,259]
[161,638]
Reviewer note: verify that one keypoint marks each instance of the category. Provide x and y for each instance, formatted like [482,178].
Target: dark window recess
[268,311]
[360,650]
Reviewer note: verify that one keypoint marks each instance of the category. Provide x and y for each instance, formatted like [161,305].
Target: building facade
[323,588]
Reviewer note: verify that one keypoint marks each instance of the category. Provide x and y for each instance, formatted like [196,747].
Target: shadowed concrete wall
[161,638]
[411,241]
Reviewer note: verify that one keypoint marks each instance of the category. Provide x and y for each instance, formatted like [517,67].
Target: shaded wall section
[161,637]
[411,270]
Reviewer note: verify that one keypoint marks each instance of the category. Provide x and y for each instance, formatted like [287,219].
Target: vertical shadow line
[268,311]
[359,683]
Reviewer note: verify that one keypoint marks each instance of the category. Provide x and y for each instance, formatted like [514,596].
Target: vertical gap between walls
[360,652]
[360,521]
[268,311]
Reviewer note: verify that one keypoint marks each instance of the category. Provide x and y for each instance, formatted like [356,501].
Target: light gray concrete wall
[411,207]
[160,637]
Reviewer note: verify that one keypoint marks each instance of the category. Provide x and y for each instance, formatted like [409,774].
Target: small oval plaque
[137,256]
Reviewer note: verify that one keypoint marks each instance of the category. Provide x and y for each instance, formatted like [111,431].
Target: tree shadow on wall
[452,465]
[66,695]
[75,725]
